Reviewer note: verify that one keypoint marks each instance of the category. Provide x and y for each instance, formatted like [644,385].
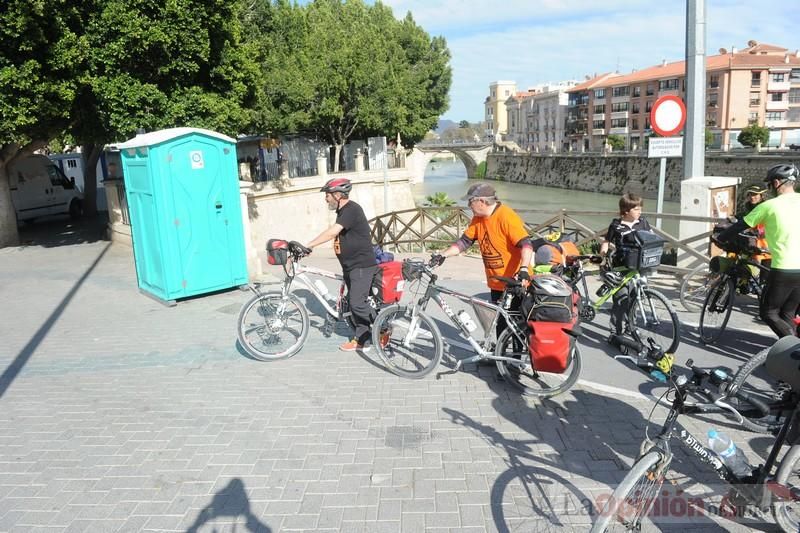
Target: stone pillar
[283,168]
[359,161]
[322,166]
[250,251]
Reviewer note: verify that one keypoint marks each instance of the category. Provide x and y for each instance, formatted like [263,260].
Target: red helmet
[341,185]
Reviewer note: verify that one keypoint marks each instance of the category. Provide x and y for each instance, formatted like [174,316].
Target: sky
[539,41]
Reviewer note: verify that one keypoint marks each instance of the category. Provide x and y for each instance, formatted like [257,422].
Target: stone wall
[618,173]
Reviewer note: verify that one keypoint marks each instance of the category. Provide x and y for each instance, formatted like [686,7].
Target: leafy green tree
[709,138]
[463,124]
[339,69]
[41,51]
[617,142]
[157,65]
[753,134]
[439,199]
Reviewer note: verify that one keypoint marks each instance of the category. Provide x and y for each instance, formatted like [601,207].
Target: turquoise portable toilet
[182,188]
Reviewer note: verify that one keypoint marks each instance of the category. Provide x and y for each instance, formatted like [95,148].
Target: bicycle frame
[298,273]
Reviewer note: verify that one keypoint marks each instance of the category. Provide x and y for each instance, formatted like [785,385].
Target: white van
[40,188]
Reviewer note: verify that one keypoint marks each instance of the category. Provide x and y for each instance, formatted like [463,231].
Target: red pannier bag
[550,347]
[388,283]
[277,251]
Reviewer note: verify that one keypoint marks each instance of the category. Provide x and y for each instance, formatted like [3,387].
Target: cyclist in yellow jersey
[779,218]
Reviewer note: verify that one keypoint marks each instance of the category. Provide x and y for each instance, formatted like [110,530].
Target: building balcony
[618,131]
[776,123]
[783,105]
[620,99]
[599,131]
[619,114]
[778,86]
[673,92]
[599,116]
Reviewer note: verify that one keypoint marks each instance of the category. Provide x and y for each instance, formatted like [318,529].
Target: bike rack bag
[277,252]
[641,250]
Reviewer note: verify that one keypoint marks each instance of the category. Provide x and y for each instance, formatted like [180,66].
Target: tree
[753,134]
[159,65]
[463,124]
[709,138]
[41,52]
[339,69]
[439,199]
[617,142]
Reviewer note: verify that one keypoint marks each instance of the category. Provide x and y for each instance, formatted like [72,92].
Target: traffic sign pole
[667,117]
[662,178]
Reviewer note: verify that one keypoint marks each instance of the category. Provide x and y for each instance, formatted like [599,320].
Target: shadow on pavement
[19,362]
[63,231]
[231,501]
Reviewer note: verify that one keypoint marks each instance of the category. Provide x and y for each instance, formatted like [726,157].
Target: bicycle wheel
[411,346]
[628,506]
[526,378]
[271,327]
[695,287]
[652,317]
[717,309]
[751,386]
[787,513]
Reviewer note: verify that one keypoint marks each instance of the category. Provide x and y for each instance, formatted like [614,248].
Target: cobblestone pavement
[120,414]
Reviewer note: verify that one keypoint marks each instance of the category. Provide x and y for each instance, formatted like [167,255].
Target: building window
[711,118]
[713,81]
[648,106]
[668,85]
[599,125]
[600,109]
[619,107]
[755,98]
[712,100]
[794,115]
[635,123]
[635,108]
[619,123]
[794,96]
[650,89]
[637,91]
[755,78]
[494,93]
[508,92]
[620,91]
[777,97]
[599,93]
[778,77]
[774,115]
[753,118]
[647,123]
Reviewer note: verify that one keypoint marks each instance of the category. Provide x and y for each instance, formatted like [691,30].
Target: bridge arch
[471,155]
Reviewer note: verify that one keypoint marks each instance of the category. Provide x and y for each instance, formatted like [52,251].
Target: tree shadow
[231,502]
[60,230]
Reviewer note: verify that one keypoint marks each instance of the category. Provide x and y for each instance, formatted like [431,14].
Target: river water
[451,177]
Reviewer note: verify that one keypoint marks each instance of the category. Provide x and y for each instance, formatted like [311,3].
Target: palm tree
[439,199]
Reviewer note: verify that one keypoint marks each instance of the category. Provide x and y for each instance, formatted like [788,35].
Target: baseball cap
[755,189]
[482,190]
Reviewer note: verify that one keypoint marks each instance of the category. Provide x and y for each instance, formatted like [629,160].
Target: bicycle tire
[761,389]
[394,350]
[257,334]
[719,301]
[655,326]
[520,379]
[787,513]
[695,287]
[644,467]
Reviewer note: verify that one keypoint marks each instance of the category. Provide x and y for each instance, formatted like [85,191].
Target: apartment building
[758,85]
[546,118]
[495,113]
[517,107]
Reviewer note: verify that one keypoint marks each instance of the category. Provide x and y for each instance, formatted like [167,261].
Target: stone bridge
[471,154]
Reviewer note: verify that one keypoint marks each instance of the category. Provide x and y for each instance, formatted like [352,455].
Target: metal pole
[662,174]
[694,147]
[385,187]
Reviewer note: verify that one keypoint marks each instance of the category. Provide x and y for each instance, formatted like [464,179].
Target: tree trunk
[9,234]
[90,154]
[337,157]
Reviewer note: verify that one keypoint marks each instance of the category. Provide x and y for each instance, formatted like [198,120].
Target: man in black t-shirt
[353,248]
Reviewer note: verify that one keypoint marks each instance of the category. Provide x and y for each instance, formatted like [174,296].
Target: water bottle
[323,291]
[732,456]
[466,321]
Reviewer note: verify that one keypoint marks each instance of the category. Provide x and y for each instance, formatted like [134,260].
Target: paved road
[119,414]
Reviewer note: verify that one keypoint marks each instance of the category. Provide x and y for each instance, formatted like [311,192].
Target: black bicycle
[628,508]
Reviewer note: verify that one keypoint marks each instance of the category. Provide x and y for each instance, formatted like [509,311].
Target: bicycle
[631,502]
[415,346]
[694,287]
[753,400]
[270,318]
[733,274]
[644,303]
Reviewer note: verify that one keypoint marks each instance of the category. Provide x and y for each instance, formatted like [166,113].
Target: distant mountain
[445,124]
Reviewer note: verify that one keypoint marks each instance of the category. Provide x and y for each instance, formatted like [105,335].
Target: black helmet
[783,361]
[341,185]
[782,172]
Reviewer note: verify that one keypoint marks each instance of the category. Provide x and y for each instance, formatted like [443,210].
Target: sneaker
[350,346]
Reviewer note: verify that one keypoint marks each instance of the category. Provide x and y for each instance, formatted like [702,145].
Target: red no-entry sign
[668,115]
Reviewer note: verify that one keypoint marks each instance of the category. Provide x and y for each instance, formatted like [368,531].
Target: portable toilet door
[182,187]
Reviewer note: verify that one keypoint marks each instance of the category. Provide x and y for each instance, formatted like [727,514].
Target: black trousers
[780,302]
[358,282]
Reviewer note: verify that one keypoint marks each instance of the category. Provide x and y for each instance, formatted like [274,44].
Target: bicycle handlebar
[592,258]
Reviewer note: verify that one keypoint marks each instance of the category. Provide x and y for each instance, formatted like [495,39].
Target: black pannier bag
[639,250]
[277,251]
[738,239]
[549,299]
